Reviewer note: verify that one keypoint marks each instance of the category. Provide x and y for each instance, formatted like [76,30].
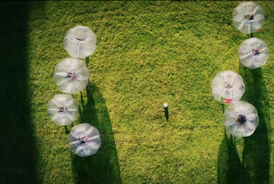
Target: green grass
[148,53]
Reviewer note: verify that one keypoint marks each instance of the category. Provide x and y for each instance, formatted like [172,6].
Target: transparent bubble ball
[227,86]
[80,42]
[248,17]
[71,75]
[84,140]
[63,109]
[241,119]
[253,53]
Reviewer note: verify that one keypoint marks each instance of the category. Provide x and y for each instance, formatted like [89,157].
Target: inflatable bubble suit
[248,17]
[84,140]
[253,53]
[80,42]
[71,75]
[63,109]
[241,119]
[227,86]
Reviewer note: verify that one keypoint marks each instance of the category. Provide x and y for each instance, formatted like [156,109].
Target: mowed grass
[148,53]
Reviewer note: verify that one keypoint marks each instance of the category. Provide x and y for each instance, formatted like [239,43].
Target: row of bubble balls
[241,118]
[71,76]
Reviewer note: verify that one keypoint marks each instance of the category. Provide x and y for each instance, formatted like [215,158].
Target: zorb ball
[227,86]
[63,109]
[241,119]
[248,17]
[80,42]
[84,140]
[253,53]
[71,75]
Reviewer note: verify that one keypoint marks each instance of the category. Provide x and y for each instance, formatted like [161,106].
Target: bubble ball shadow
[103,167]
[256,154]
[255,166]
[230,168]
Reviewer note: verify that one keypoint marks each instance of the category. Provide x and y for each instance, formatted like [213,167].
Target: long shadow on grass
[102,167]
[230,168]
[18,151]
[256,155]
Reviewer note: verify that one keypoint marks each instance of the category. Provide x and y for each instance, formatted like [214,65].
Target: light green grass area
[147,54]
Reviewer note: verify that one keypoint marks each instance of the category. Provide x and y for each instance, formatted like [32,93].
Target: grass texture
[148,53]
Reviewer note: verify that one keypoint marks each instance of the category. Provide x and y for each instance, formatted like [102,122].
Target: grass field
[148,53]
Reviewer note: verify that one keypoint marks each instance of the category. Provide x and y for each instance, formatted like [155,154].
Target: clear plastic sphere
[63,109]
[84,140]
[253,53]
[248,17]
[227,86]
[71,75]
[241,119]
[80,42]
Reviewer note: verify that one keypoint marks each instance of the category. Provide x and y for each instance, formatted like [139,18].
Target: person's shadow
[256,155]
[103,167]
[230,168]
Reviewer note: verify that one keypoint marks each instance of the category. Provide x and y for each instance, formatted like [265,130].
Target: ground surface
[148,53]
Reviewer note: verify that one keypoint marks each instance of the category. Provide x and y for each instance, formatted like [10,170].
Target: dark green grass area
[148,53]
[18,153]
